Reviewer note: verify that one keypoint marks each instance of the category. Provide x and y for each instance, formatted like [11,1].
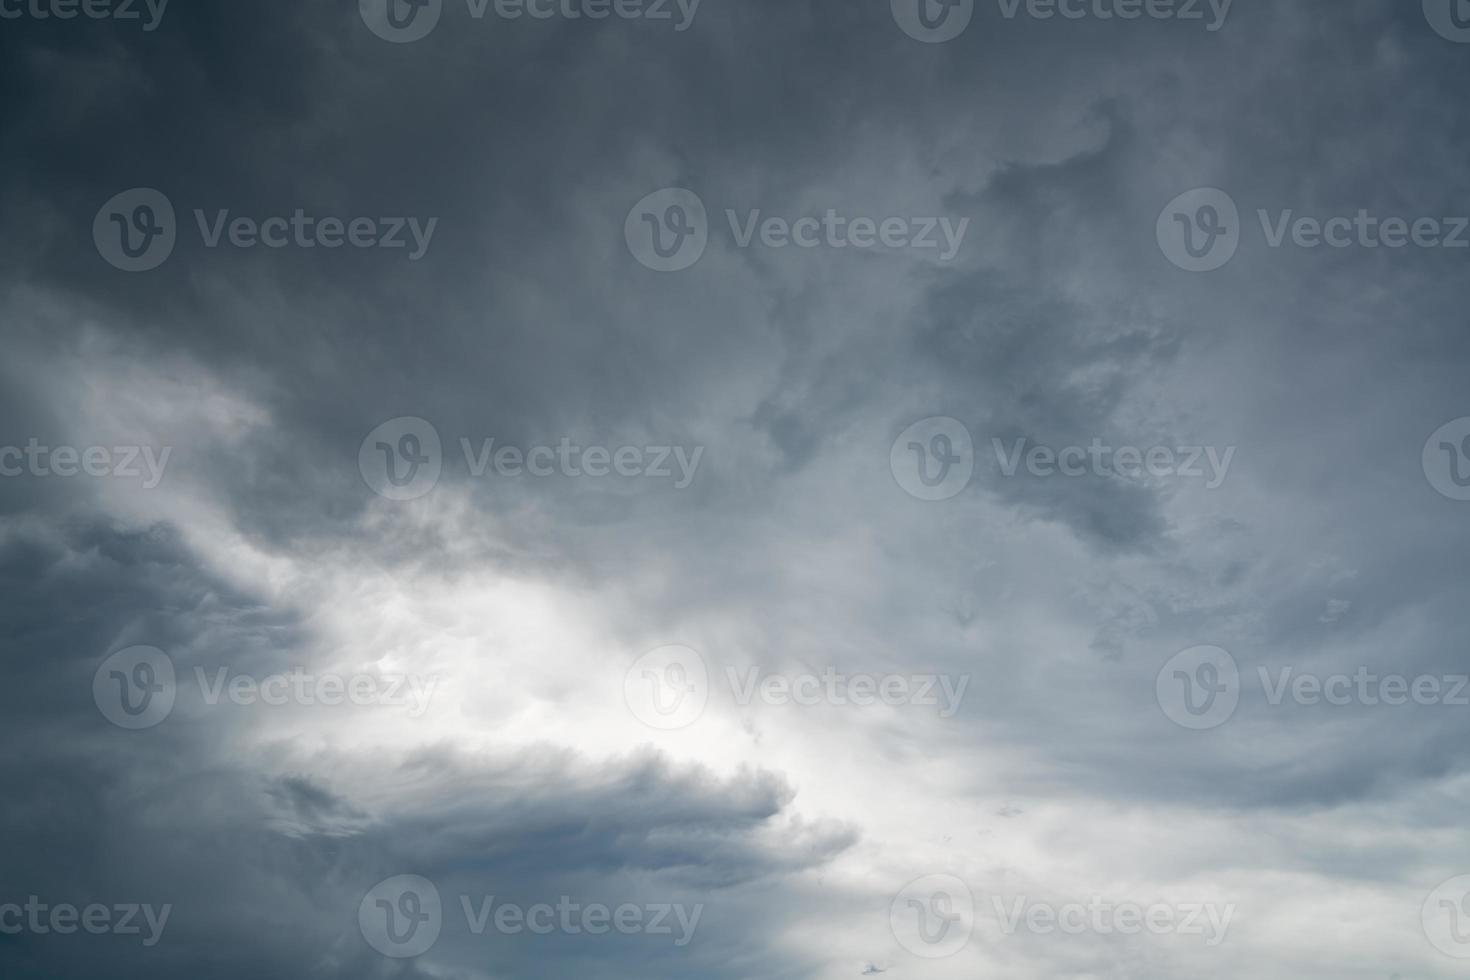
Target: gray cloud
[795,548]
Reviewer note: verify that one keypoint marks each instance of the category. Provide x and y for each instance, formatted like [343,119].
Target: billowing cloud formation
[824,687]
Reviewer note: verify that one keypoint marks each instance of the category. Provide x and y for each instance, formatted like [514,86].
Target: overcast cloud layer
[1037,554]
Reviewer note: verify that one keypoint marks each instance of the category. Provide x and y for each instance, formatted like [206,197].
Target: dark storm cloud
[527,320]
[264,873]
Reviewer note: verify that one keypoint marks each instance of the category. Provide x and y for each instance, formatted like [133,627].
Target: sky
[734,489]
